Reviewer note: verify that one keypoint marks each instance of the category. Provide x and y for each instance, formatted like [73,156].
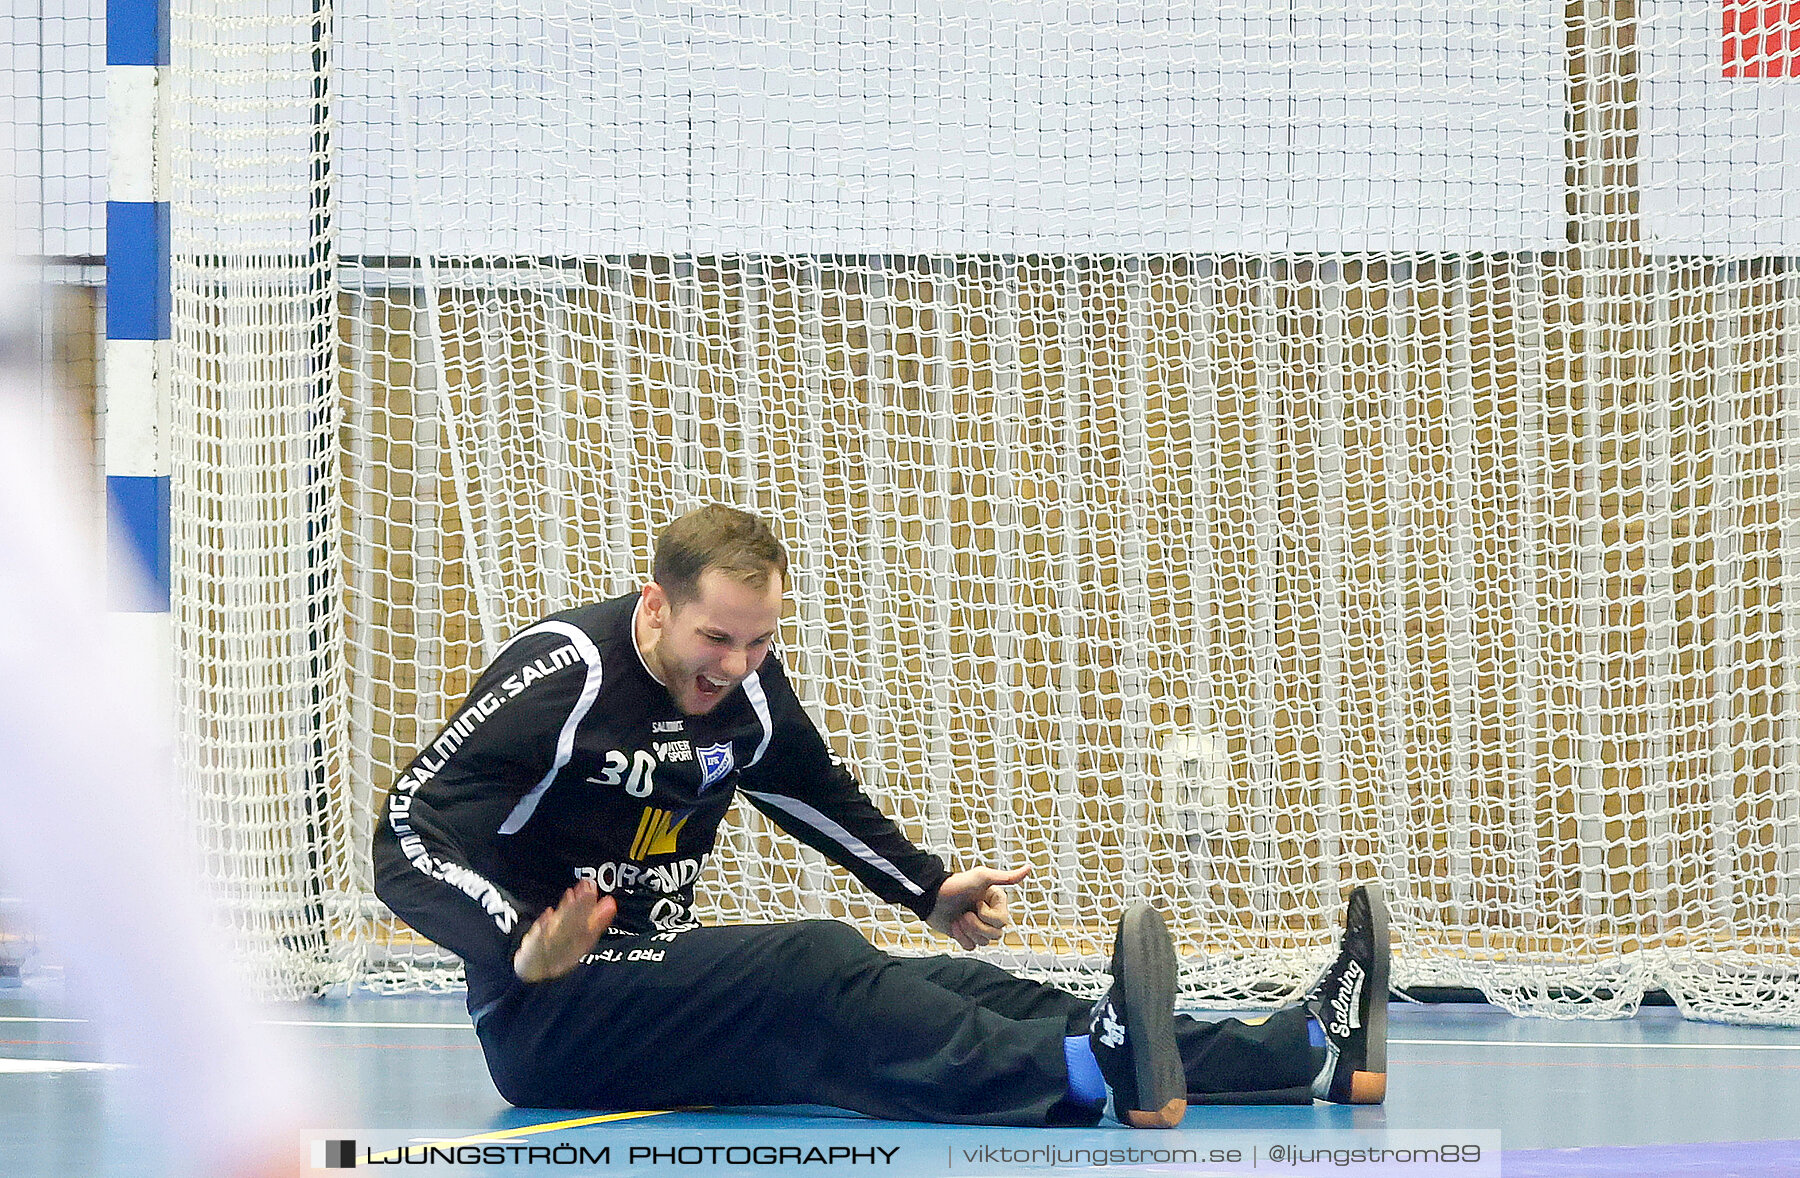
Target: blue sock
[1086,1084]
[1315,1032]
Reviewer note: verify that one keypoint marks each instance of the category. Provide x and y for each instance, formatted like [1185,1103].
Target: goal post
[1226,454]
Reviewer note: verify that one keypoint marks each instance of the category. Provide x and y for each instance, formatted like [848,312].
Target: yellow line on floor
[465,1025]
[528,1130]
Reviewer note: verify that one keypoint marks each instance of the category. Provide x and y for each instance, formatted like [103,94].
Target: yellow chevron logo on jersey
[656,833]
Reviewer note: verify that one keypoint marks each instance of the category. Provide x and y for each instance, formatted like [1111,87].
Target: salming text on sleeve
[437,859]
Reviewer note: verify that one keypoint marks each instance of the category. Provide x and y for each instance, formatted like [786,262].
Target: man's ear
[656,604]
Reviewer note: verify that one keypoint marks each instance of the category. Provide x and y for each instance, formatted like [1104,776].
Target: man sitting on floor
[552,833]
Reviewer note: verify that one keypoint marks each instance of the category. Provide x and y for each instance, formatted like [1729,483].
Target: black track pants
[811,1013]
[1230,1057]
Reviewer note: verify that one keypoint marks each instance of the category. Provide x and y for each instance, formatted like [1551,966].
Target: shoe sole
[1370,1087]
[1147,991]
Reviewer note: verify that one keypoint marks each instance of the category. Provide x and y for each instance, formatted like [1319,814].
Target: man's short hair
[734,542]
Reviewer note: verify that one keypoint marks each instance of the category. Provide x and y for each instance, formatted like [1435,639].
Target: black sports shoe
[1133,1027]
[1350,1002]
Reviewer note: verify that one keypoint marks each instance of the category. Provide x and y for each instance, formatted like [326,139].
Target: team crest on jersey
[715,762]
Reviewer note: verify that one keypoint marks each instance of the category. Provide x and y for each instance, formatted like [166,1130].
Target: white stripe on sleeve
[804,813]
[565,742]
[753,689]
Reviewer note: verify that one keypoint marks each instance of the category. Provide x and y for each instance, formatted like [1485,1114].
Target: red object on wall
[1762,39]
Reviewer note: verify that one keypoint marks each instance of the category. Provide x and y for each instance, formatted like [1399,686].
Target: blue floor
[1651,1096]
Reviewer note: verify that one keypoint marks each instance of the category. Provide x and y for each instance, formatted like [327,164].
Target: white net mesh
[1227,452]
[258,616]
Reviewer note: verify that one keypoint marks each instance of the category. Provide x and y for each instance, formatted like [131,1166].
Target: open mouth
[706,687]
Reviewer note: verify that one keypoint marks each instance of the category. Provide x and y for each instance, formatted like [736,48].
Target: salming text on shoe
[1350,1002]
[1133,1028]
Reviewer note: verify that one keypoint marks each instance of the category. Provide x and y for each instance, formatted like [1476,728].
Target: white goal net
[1228,451]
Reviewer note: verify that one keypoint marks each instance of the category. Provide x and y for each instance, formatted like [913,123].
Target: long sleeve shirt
[569,760]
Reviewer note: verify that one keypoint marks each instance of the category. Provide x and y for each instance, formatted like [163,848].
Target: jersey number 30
[643,767]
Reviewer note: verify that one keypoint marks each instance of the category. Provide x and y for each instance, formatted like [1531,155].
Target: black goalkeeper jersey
[569,760]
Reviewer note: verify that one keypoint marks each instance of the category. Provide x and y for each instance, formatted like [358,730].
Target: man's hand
[561,936]
[972,908]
